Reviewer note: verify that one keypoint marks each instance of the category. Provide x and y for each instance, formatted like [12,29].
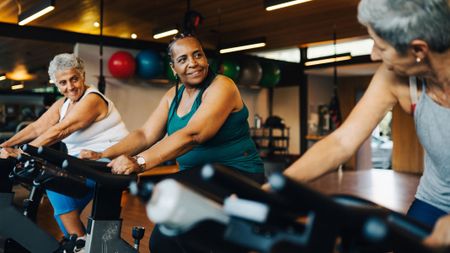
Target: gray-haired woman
[412,38]
[83,118]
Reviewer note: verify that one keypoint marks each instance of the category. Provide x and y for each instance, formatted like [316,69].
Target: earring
[418,60]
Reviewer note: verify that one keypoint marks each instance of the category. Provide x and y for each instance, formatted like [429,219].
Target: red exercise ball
[121,64]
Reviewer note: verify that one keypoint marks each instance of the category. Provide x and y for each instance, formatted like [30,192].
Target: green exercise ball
[230,68]
[213,64]
[271,74]
[168,70]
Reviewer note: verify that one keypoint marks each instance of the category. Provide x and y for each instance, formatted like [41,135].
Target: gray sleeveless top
[433,129]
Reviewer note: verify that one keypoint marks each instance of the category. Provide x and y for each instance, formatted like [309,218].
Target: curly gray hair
[63,62]
[401,21]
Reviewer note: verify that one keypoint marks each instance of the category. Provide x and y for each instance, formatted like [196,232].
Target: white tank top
[100,135]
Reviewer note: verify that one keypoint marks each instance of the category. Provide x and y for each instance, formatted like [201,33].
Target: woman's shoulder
[60,102]
[397,85]
[170,94]
[91,90]
[94,96]
[223,82]
[57,105]
[224,87]
[388,79]
[223,79]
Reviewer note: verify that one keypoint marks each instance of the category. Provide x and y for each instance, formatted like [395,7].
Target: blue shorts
[64,204]
[424,212]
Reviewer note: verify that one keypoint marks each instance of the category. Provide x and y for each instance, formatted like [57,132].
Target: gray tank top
[433,129]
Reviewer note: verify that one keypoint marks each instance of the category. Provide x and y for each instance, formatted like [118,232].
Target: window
[355,48]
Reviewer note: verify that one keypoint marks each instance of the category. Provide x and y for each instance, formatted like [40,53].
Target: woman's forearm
[23,136]
[324,156]
[169,148]
[51,136]
[132,144]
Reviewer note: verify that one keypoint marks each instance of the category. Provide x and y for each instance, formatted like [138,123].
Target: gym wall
[136,98]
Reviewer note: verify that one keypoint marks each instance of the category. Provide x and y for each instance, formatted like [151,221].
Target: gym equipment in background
[168,70]
[230,68]
[149,64]
[271,74]
[121,64]
[251,72]
[213,64]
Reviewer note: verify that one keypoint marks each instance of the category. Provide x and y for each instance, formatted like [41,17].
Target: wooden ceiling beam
[49,34]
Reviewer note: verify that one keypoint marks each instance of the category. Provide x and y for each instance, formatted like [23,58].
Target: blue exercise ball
[149,64]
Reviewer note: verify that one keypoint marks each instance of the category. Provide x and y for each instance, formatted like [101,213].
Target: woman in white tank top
[83,118]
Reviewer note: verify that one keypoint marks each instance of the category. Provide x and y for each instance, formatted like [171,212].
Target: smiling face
[399,63]
[70,83]
[189,61]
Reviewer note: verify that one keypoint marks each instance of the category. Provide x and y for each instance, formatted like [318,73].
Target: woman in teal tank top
[204,118]
[205,121]
[231,145]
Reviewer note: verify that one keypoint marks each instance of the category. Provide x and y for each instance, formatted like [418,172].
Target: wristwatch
[140,161]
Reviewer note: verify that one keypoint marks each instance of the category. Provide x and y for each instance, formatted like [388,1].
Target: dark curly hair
[176,38]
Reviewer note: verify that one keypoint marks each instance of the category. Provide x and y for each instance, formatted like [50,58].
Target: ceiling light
[17,86]
[96,24]
[133,36]
[244,45]
[329,59]
[161,33]
[278,4]
[36,11]
[20,73]
[2,77]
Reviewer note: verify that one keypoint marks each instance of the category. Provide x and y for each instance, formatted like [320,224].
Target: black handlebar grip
[104,178]
[32,150]
[53,156]
[243,187]
[302,197]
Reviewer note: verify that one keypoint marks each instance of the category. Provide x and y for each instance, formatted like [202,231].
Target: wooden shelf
[270,141]
[312,137]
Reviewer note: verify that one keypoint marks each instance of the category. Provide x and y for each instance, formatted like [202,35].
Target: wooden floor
[391,189]
[388,188]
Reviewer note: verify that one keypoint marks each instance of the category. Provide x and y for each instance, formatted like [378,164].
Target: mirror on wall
[24,63]
[25,91]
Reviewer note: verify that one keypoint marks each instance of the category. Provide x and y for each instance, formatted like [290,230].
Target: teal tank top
[232,146]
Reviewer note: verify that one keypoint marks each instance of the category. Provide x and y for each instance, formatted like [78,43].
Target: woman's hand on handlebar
[441,233]
[266,187]
[90,155]
[10,152]
[124,165]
